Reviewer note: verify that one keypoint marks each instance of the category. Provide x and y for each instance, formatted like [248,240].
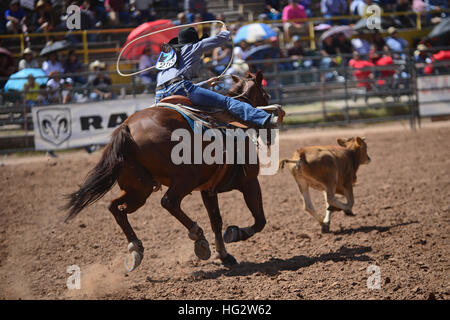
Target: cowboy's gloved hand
[212,81]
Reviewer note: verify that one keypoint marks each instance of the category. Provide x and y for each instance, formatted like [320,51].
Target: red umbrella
[135,50]
[5,52]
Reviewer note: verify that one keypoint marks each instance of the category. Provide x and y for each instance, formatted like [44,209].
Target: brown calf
[331,169]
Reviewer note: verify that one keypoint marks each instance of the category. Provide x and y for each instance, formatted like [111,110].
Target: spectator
[441,66]
[57,89]
[395,43]
[220,58]
[142,10]
[101,87]
[73,65]
[306,4]
[28,60]
[271,10]
[386,77]
[387,5]
[329,59]
[15,17]
[191,7]
[358,7]
[421,58]
[333,8]
[32,95]
[361,45]
[343,44]
[293,11]
[117,11]
[296,51]
[419,6]
[363,77]
[52,64]
[406,21]
[240,50]
[147,60]
[43,18]
[181,19]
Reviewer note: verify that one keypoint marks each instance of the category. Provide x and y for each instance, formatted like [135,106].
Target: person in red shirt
[363,77]
[386,75]
[443,55]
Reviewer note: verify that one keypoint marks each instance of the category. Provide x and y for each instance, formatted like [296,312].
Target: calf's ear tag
[166,60]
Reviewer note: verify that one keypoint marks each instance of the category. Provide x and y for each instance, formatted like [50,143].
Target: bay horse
[138,158]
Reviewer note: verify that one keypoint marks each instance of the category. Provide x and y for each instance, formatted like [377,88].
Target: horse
[138,158]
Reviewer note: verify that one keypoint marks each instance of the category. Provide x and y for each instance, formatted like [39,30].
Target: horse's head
[250,89]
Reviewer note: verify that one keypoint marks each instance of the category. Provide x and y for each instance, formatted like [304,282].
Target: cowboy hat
[28,51]
[186,36]
[97,64]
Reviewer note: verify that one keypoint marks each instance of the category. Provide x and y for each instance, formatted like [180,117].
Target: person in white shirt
[52,64]
[28,60]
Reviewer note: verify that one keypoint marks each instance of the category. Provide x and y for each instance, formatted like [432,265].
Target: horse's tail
[104,175]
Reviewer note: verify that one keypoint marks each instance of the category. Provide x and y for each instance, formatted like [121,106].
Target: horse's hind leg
[212,206]
[171,201]
[253,199]
[136,186]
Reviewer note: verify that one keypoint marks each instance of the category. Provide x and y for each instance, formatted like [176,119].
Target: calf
[331,169]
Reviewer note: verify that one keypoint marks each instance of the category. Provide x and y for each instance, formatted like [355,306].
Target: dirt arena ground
[402,225]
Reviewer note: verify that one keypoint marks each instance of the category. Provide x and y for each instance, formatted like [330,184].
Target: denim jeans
[206,99]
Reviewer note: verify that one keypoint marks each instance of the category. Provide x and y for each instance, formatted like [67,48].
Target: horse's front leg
[212,206]
[252,195]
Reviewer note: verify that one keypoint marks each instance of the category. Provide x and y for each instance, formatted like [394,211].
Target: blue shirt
[19,14]
[333,7]
[397,45]
[190,58]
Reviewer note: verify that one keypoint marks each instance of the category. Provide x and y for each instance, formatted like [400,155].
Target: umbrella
[254,32]
[154,41]
[260,52]
[346,30]
[18,79]
[441,29]
[56,46]
[5,52]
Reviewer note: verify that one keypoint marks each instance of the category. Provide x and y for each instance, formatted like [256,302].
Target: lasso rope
[158,31]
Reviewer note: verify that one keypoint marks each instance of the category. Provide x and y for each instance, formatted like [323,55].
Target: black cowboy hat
[186,36]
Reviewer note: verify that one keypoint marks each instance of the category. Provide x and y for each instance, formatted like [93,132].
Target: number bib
[166,60]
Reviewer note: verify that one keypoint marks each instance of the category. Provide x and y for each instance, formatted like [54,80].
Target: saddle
[216,118]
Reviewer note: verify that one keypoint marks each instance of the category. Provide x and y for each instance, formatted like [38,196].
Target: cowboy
[176,80]
[28,60]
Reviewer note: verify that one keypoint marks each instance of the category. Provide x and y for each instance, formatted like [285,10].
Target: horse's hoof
[229,261]
[349,213]
[136,259]
[231,234]
[325,227]
[201,249]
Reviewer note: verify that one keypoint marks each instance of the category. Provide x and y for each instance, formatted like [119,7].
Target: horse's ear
[259,77]
[235,78]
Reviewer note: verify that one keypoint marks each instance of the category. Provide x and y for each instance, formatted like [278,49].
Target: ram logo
[54,125]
